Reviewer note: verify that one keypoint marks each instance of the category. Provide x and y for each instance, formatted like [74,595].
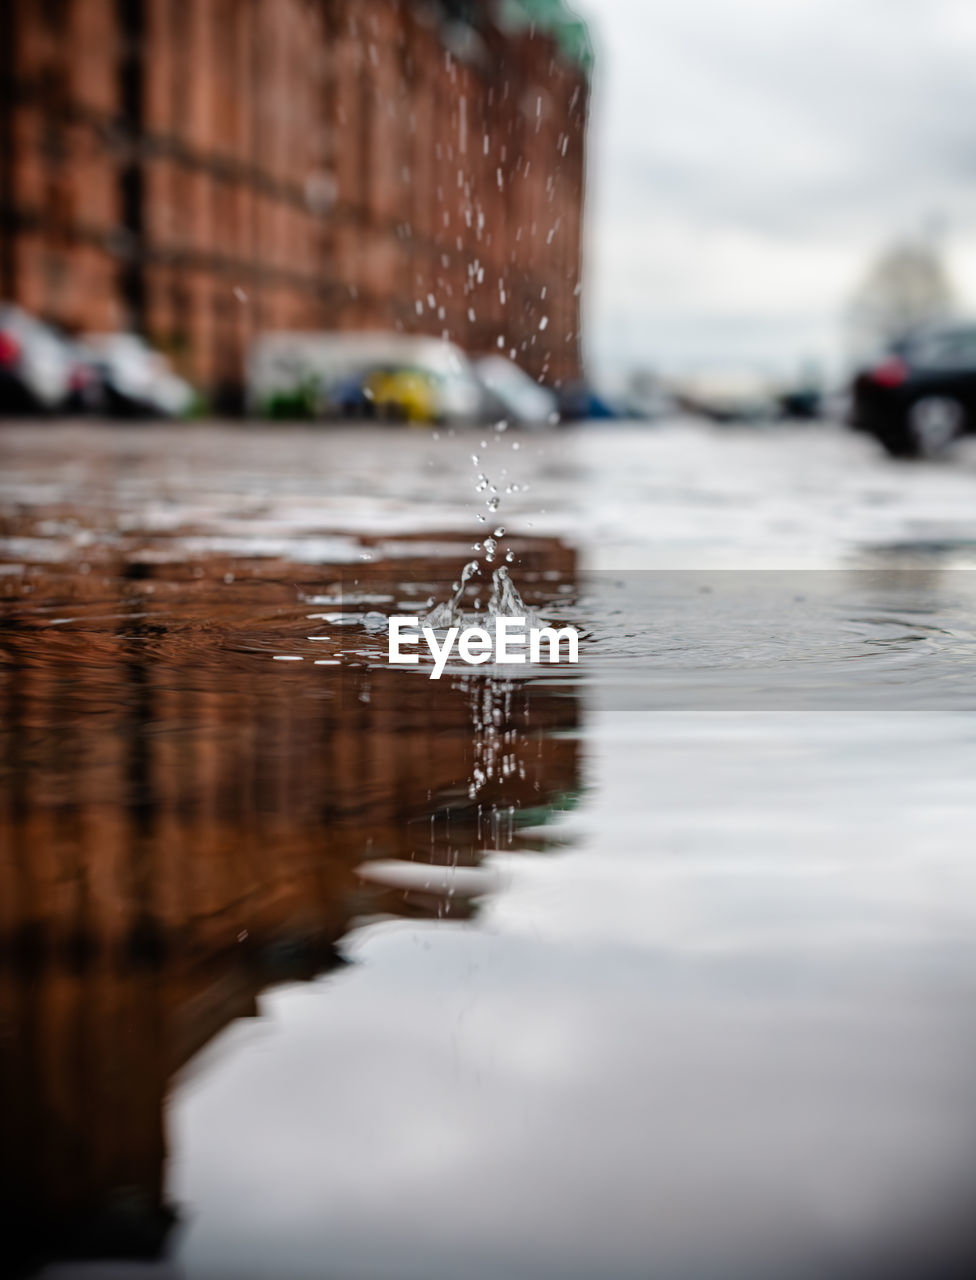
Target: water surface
[661,965]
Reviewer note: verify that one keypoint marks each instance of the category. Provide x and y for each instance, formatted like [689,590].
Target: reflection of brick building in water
[205,171]
[181,824]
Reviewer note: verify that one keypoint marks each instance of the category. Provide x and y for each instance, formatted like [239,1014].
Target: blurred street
[680,494]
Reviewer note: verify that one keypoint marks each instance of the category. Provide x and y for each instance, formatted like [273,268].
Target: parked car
[400,394]
[802,402]
[920,395]
[363,374]
[36,364]
[580,402]
[85,393]
[132,378]
[519,397]
[645,397]
[733,395]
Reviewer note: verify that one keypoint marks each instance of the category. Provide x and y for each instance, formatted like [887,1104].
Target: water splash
[504,601]
[449,612]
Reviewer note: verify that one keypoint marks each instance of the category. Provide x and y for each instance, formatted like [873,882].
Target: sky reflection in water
[698,1000]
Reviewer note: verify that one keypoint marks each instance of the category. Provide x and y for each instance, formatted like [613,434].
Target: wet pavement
[663,964]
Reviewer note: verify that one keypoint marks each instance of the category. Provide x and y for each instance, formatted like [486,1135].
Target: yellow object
[404,394]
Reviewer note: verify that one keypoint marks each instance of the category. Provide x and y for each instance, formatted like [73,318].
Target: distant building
[907,286]
[202,172]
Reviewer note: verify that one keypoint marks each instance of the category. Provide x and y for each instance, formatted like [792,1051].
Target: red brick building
[205,171]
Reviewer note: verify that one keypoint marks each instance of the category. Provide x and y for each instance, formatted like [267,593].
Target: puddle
[663,964]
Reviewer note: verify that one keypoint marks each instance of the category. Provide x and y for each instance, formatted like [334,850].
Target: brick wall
[203,172]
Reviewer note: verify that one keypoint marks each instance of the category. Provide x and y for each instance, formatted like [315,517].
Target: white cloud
[748,157]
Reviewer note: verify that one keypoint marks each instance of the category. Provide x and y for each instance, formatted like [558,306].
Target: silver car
[36,364]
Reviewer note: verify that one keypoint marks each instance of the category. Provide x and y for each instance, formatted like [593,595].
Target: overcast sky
[749,157]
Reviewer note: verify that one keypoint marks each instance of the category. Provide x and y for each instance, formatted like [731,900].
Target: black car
[921,395]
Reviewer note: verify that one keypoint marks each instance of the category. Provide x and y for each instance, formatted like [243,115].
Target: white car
[519,395]
[134,378]
[36,364]
[736,395]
